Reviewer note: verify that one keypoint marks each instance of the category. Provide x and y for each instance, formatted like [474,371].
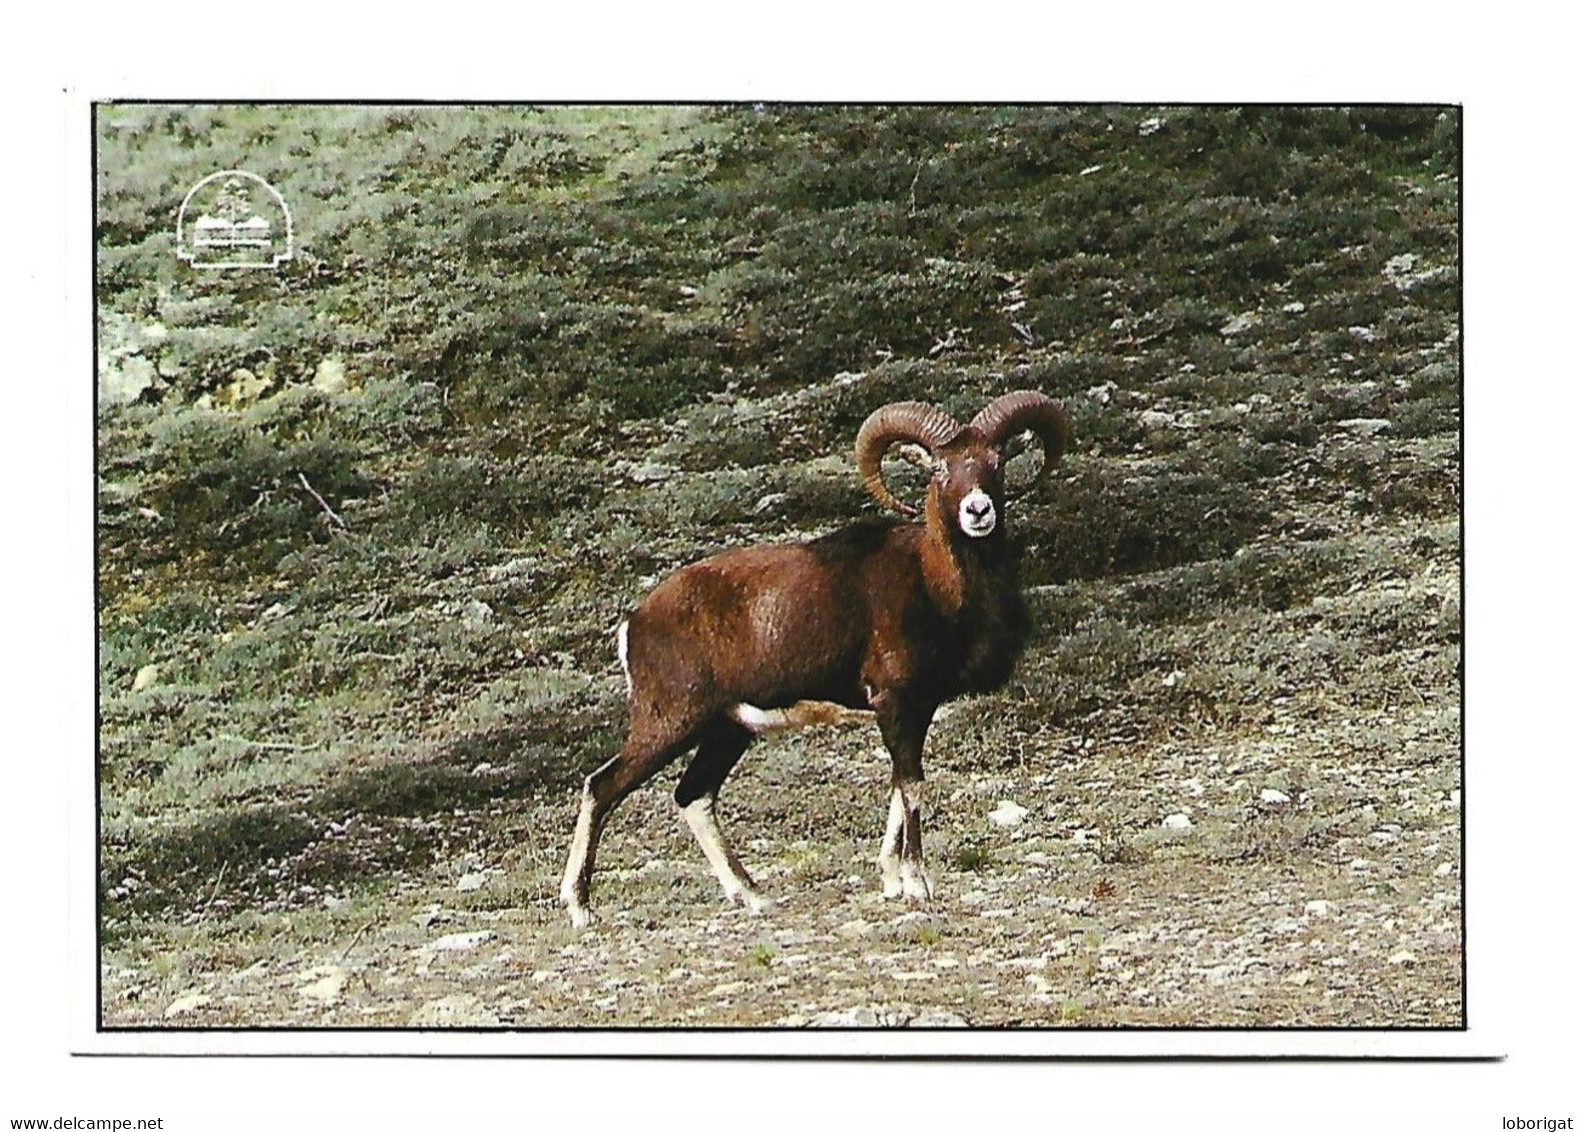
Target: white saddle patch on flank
[621,655]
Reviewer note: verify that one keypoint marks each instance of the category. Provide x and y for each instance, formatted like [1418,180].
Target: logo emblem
[233,220]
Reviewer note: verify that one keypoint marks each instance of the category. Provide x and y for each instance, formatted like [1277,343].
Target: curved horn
[1005,417]
[901,422]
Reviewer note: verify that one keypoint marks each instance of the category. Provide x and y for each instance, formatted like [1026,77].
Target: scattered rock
[1319,909]
[863,1017]
[187,1004]
[244,388]
[854,929]
[938,1019]
[1400,957]
[471,882]
[1299,978]
[453,1010]
[123,380]
[1294,308]
[651,472]
[1274,797]
[327,987]
[1400,265]
[1153,418]
[1239,325]
[146,677]
[1007,814]
[1177,821]
[1365,426]
[330,376]
[461,941]
[1150,126]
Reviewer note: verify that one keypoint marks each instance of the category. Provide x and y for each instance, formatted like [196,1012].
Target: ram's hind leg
[641,757]
[718,751]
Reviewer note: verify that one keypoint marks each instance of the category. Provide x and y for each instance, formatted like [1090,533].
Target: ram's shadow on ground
[367,521]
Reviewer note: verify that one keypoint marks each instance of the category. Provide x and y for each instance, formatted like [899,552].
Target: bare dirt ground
[1318,883]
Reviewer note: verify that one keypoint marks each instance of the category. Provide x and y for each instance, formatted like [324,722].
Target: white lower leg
[574,885]
[580,860]
[734,879]
[890,848]
[914,881]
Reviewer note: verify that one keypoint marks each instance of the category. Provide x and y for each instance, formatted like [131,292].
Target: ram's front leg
[901,851]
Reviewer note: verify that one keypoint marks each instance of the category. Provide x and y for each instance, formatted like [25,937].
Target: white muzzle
[976,514]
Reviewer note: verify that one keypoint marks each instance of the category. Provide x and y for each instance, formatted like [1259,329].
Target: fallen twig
[328,510]
[361,932]
[912,189]
[263,745]
[218,880]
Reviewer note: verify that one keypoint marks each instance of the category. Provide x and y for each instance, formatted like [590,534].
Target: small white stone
[1319,909]
[939,1019]
[1007,814]
[146,677]
[1365,426]
[329,376]
[327,988]
[1400,957]
[1239,324]
[1274,797]
[471,882]
[461,941]
[1178,821]
[187,1003]
[453,1010]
